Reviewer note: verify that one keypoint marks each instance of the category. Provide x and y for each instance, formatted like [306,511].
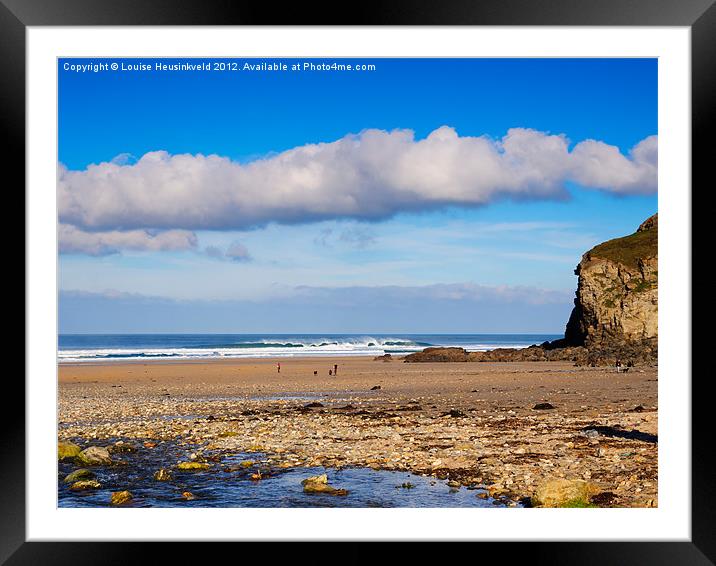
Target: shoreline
[219,360]
[470,423]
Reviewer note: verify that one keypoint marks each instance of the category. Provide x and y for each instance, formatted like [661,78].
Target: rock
[120,497]
[323,478]
[67,450]
[81,474]
[188,495]
[94,456]
[319,484]
[193,466]
[453,483]
[121,447]
[162,475]
[454,413]
[82,485]
[375,388]
[563,492]
[314,405]
[543,406]
[384,358]
[438,354]
[616,302]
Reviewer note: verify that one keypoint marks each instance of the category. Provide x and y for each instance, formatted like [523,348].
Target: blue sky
[469,205]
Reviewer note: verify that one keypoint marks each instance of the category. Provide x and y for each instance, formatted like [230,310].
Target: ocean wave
[203,347]
[255,349]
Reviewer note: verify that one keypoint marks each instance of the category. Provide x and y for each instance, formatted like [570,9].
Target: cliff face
[617,292]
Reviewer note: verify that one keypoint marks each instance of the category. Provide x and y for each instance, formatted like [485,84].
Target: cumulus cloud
[596,164]
[369,176]
[73,240]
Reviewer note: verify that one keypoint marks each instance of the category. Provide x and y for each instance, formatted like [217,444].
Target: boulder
[564,493]
[319,484]
[82,485]
[162,475]
[120,497]
[193,466]
[81,474]
[94,456]
[67,450]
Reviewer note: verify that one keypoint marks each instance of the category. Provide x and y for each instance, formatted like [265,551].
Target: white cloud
[73,240]
[368,176]
[596,164]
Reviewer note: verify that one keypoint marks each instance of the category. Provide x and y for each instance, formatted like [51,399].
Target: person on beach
[278,367]
[335,369]
[330,372]
[618,365]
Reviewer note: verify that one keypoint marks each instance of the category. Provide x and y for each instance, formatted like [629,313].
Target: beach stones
[162,475]
[319,484]
[94,456]
[188,496]
[121,447]
[82,485]
[543,406]
[564,492]
[120,497]
[81,474]
[67,450]
[193,466]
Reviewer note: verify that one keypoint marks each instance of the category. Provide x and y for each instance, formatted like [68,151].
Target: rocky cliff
[617,291]
[615,315]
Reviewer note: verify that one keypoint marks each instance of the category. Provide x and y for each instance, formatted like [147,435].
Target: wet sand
[471,424]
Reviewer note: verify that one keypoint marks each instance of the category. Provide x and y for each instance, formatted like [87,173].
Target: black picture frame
[699,15]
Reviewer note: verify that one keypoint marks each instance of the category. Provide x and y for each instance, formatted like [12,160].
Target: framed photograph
[391,279]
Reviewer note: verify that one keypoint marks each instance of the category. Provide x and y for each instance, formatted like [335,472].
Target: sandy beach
[469,424]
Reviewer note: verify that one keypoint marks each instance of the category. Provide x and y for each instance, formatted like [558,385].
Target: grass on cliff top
[629,249]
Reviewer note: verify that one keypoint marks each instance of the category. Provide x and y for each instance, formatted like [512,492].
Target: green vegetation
[629,249]
[642,286]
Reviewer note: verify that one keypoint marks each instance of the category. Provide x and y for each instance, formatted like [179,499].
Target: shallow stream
[229,484]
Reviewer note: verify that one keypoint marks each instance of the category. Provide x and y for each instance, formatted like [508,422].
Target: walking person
[278,367]
[335,369]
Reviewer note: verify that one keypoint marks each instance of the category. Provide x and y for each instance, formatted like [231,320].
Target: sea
[124,347]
